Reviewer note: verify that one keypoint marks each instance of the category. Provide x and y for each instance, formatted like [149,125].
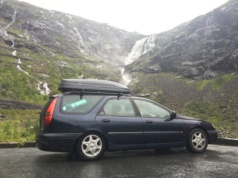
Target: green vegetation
[18,86]
[18,125]
[215,84]
[15,31]
[213,113]
[202,111]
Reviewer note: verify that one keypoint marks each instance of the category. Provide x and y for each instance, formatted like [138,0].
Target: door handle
[149,121]
[105,120]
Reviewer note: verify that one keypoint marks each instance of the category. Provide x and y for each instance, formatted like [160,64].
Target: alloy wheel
[198,140]
[91,145]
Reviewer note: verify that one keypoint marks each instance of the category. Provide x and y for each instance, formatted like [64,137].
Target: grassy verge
[18,125]
[212,113]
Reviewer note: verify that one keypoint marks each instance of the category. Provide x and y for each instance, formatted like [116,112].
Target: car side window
[149,109]
[76,104]
[115,107]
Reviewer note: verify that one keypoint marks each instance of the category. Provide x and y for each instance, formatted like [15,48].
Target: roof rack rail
[81,93]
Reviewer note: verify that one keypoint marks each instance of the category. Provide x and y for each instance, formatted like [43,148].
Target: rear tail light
[49,112]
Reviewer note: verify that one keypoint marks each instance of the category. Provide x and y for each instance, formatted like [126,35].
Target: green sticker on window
[74,105]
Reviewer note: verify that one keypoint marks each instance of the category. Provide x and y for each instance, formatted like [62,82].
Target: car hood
[193,119]
[188,118]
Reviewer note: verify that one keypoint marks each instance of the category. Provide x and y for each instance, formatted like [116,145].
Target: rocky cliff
[199,49]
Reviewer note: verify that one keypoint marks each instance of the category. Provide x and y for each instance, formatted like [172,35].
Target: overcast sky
[143,16]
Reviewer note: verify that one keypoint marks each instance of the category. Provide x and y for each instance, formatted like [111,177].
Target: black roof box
[92,86]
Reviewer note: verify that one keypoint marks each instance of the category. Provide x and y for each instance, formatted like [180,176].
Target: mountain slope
[40,47]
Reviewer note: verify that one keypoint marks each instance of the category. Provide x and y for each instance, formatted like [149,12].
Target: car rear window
[77,105]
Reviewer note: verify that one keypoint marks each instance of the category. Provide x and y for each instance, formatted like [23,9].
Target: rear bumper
[212,134]
[62,142]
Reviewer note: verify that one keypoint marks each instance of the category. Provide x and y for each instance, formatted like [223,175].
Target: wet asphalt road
[217,161]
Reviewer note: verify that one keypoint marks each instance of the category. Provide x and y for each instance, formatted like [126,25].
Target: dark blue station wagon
[93,124]
[99,118]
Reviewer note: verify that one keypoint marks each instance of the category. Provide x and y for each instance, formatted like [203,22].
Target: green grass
[15,31]
[212,113]
[202,84]
[16,85]
[18,125]
[216,83]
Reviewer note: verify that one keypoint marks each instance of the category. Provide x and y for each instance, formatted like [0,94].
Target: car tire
[197,141]
[91,146]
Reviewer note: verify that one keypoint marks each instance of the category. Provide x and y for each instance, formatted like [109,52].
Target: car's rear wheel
[91,146]
[197,141]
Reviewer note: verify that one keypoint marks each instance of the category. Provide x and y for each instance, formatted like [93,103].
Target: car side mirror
[173,115]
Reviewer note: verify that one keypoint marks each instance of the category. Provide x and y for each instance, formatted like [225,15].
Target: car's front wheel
[91,146]
[197,141]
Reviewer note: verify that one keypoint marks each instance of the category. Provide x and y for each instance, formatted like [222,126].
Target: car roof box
[92,86]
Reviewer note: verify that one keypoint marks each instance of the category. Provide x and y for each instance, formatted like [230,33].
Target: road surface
[217,161]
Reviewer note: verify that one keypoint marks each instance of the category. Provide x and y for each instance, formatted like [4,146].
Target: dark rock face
[201,48]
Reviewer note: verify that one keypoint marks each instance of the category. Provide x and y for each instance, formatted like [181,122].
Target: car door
[118,121]
[157,124]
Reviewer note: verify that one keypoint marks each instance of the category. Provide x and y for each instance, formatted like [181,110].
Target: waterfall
[26,31]
[141,47]
[14,53]
[126,77]
[13,20]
